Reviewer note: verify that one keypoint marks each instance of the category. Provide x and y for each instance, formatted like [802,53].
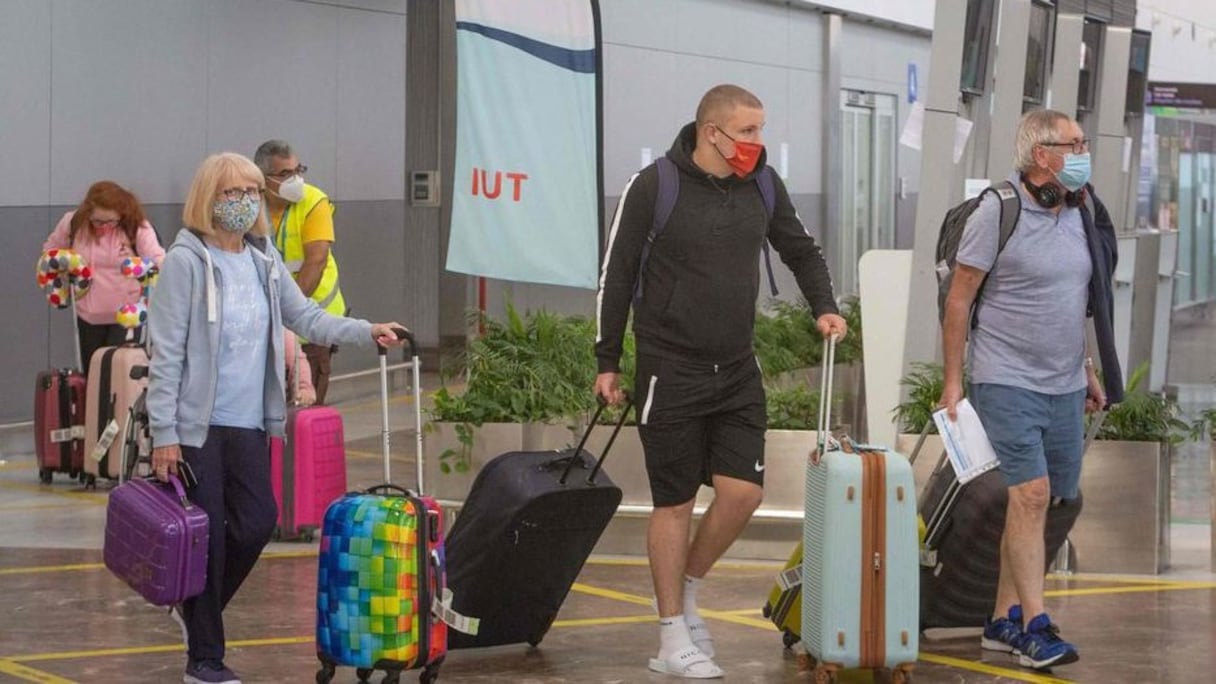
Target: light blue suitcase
[860,567]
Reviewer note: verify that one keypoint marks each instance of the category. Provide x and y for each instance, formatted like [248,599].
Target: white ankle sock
[673,635]
[690,594]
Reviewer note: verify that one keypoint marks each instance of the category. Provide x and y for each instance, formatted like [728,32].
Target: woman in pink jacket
[107,227]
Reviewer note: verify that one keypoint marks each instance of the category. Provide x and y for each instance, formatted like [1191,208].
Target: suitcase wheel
[429,675]
[45,475]
[90,482]
[326,674]
[901,675]
[788,638]
[364,674]
[767,611]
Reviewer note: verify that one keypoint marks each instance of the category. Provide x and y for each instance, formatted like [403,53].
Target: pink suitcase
[111,393]
[59,401]
[307,470]
[156,540]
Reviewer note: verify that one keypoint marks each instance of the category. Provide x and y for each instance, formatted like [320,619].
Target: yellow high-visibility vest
[288,241]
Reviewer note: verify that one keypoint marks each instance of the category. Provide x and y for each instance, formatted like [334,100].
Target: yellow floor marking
[1117,579]
[596,622]
[50,568]
[984,668]
[29,674]
[1110,591]
[89,497]
[725,616]
[143,650]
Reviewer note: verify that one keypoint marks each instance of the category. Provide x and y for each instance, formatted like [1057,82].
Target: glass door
[867,201]
[1203,247]
[1185,284]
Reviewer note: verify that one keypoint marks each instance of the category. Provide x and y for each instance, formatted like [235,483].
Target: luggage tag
[441,607]
[790,578]
[105,440]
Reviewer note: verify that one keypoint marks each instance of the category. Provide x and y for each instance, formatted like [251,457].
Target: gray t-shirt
[1031,330]
[244,341]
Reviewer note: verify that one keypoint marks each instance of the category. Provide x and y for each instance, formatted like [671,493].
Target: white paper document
[967,444]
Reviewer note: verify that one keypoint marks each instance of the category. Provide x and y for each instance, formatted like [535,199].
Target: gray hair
[269,150]
[1037,127]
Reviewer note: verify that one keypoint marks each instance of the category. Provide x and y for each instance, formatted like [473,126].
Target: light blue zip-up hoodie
[185,312]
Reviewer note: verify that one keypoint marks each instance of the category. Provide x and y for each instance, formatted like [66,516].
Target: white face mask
[292,189]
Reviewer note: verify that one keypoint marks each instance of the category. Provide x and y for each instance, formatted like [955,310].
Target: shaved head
[721,100]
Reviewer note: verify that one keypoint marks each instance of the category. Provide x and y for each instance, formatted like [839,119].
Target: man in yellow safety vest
[302,218]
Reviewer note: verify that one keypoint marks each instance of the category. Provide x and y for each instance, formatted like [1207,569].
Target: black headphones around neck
[1048,195]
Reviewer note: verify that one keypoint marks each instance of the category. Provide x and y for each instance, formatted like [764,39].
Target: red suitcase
[307,470]
[59,398]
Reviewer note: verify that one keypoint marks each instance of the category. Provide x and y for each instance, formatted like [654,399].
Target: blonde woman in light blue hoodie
[216,390]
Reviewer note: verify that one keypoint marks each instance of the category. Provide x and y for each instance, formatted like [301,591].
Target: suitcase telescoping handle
[825,399]
[599,462]
[402,334]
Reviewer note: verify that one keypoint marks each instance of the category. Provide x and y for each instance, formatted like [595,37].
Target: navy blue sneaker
[208,672]
[1041,646]
[1003,634]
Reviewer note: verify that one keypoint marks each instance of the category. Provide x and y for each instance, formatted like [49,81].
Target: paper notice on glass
[962,130]
[914,127]
[966,442]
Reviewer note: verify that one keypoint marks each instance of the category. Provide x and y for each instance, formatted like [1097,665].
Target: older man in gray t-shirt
[1031,379]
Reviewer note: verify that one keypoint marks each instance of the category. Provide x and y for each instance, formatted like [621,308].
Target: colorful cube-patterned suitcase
[380,581]
[381,569]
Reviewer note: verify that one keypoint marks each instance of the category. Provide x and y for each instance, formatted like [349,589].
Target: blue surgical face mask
[236,216]
[1076,171]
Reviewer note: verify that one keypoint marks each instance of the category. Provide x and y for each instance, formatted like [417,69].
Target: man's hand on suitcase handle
[165,460]
[608,388]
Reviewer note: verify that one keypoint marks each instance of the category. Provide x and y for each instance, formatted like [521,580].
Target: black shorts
[699,420]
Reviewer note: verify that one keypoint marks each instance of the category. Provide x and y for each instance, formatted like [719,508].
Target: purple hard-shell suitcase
[156,540]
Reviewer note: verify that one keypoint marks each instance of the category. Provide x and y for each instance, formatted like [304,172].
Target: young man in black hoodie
[693,290]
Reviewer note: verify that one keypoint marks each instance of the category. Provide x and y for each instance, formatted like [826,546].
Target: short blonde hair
[724,99]
[213,175]
[1037,127]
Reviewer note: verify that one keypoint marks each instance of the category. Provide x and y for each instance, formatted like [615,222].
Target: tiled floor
[64,618]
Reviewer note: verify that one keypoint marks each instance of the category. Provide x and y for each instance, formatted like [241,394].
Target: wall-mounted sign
[1185,95]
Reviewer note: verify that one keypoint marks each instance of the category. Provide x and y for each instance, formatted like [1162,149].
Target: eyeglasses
[236,194]
[288,173]
[103,223]
[1078,146]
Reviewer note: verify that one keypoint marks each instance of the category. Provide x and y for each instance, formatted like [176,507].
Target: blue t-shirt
[1031,322]
[244,337]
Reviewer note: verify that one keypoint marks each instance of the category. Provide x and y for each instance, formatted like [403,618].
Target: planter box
[1124,525]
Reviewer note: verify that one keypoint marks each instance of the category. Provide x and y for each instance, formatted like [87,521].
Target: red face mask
[747,154]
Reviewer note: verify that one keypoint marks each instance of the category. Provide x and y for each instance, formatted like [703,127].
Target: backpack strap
[664,203]
[1010,212]
[768,193]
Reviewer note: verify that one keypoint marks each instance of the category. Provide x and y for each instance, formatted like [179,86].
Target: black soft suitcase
[961,556]
[522,537]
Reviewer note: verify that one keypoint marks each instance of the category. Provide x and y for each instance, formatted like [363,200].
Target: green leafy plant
[786,338]
[925,383]
[535,367]
[796,408]
[1205,425]
[1144,416]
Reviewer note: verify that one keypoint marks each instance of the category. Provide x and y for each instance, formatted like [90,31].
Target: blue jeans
[1034,434]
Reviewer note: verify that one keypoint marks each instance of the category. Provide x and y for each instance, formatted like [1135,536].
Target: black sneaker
[208,672]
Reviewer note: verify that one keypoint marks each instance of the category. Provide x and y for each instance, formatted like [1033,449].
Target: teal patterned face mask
[236,216]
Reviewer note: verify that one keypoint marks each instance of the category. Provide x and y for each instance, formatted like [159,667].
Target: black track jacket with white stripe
[703,273]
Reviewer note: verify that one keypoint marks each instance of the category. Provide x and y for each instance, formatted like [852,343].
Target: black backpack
[951,233]
[665,202]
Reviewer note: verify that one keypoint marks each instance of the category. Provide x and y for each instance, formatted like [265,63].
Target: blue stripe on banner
[580,61]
